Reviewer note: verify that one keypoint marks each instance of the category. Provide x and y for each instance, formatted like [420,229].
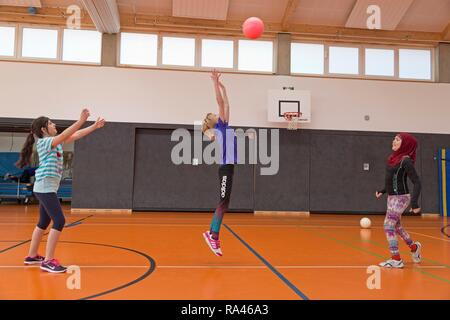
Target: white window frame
[325,54]
[372,46]
[174,66]
[16,40]
[61,47]
[198,53]
[58,43]
[274,57]
[362,61]
[60,38]
[432,63]
[211,37]
[138,66]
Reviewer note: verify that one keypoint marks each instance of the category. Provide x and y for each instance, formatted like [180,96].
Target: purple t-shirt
[228,142]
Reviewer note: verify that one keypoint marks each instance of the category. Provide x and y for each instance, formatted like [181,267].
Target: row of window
[142,50]
[152,50]
[307,58]
[84,46]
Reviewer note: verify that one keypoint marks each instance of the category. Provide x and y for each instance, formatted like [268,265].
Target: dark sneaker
[53,266]
[36,260]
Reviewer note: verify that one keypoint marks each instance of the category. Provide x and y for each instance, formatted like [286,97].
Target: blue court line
[283,278]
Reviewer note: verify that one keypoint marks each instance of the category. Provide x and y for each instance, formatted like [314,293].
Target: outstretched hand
[100,123]
[215,76]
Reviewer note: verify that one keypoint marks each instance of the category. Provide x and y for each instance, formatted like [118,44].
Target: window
[138,49]
[307,58]
[40,43]
[415,64]
[344,60]
[217,53]
[178,51]
[7,41]
[256,55]
[380,62]
[82,46]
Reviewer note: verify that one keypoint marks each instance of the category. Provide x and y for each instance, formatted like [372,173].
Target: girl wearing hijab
[400,166]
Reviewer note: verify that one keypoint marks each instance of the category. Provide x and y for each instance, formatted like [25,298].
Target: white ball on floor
[365,223]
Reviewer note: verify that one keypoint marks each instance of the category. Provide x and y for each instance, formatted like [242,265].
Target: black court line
[152,267]
[272,268]
[29,240]
[444,232]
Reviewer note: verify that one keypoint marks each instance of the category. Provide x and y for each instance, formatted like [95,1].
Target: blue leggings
[50,209]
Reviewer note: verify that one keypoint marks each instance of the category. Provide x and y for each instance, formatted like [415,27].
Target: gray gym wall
[128,166]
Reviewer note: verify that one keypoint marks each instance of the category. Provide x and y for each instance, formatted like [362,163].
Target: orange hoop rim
[289,115]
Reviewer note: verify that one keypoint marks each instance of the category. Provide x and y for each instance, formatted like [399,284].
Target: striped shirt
[50,159]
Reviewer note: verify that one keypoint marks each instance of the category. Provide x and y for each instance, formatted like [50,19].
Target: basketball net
[292,119]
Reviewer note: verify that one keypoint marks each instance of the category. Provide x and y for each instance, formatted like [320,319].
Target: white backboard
[281,101]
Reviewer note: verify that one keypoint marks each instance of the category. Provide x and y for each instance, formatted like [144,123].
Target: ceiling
[431,16]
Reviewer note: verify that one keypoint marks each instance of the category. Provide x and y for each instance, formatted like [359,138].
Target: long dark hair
[27,150]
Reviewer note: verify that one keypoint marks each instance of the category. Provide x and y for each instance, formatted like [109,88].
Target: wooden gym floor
[163,256]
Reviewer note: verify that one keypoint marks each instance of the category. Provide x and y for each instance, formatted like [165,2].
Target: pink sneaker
[53,266]
[214,245]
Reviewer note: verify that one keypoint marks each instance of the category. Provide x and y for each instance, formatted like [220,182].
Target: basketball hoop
[292,119]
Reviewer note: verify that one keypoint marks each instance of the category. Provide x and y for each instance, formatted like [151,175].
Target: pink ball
[253,28]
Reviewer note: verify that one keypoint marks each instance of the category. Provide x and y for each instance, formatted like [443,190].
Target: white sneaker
[417,255]
[391,263]
[214,245]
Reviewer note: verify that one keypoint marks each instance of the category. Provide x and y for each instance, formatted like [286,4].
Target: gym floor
[163,256]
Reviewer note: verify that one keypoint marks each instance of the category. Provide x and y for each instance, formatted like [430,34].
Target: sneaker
[214,245]
[391,263]
[53,266]
[36,260]
[417,255]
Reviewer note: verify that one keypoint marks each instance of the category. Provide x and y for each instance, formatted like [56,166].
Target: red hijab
[407,148]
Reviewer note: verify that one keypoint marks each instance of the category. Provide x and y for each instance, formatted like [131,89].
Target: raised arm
[84,132]
[219,98]
[226,103]
[66,134]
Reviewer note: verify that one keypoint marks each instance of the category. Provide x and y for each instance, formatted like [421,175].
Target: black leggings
[226,173]
[50,209]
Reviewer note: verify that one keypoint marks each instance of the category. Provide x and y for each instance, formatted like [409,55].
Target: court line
[234,225]
[405,252]
[444,232]
[274,270]
[428,236]
[75,223]
[221,267]
[150,270]
[375,254]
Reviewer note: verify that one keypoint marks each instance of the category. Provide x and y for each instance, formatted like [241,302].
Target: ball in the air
[253,28]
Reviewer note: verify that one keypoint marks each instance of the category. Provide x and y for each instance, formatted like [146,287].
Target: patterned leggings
[396,205]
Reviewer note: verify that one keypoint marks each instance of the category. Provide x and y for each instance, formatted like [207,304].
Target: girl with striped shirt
[48,177]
